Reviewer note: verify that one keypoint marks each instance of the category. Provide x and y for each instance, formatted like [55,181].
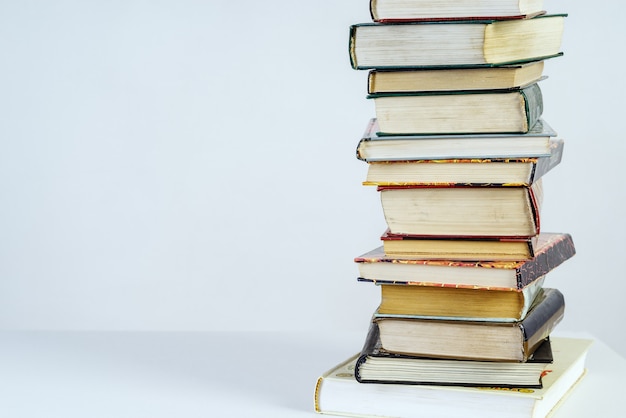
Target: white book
[338,393]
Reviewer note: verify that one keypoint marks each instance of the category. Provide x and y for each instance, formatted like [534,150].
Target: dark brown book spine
[556,252]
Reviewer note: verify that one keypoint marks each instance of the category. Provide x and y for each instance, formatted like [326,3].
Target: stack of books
[458,151]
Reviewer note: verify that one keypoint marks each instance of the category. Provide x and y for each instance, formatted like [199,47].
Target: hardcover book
[552,250]
[506,77]
[473,340]
[464,172]
[458,112]
[460,302]
[535,143]
[463,211]
[458,249]
[375,365]
[337,392]
[414,10]
[455,43]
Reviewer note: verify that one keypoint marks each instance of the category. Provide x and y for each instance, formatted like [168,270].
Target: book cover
[458,112]
[455,43]
[552,250]
[375,147]
[406,80]
[458,249]
[375,365]
[482,18]
[461,211]
[458,302]
[389,11]
[473,340]
[517,171]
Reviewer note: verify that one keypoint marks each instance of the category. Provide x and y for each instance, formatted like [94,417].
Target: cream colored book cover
[338,393]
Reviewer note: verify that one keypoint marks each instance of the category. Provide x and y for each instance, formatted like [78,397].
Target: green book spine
[533,100]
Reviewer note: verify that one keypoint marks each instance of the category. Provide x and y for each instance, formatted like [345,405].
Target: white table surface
[186,375]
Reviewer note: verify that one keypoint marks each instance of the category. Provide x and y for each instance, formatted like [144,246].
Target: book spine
[373,13]
[367,136]
[531,247]
[371,341]
[546,164]
[542,319]
[316,395]
[453,19]
[371,78]
[533,102]
[535,194]
[372,338]
[320,383]
[351,47]
[561,249]
[359,152]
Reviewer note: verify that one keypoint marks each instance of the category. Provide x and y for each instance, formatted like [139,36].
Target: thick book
[458,211]
[459,302]
[464,172]
[459,249]
[415,10]
[337,392]
[375,365]
[449,79]
[535,143]
[462,43]
[473,340]
[458,112]
[552,250]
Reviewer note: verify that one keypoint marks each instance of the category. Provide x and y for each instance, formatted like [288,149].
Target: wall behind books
[190,166]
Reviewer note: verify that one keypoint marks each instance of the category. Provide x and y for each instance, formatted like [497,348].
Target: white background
[189,165]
